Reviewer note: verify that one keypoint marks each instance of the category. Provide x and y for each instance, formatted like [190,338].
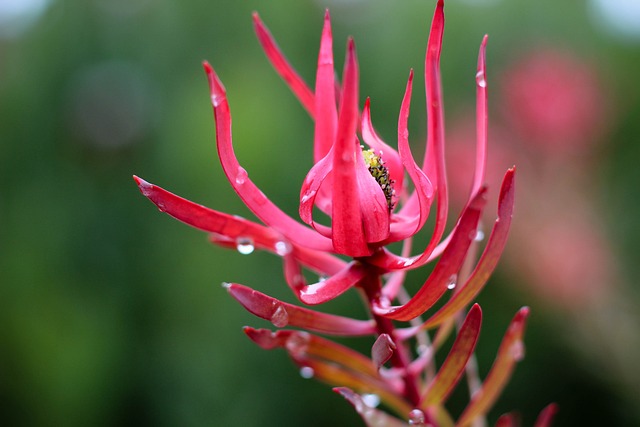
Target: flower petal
[311,189]
[255,199]
[482,119]
[445,271]
[374,209]
[511,351]
[282,66]
[282,314]
[488,260]
[206,219]
[326,117]
[454,365]
[423,187]
[389,155]
[326,290]
[348,232]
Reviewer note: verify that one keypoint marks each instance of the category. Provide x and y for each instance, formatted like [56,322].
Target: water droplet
[307,196]
[307,372]
[517,350]
[241,175]
[384,302]
[451,284]
[226,285]
[283,248]
[216,99]
[245,245]
[480,79]
[479,237]
[416,418]
[371,400]
[298,344]
[322,278]
[280,317]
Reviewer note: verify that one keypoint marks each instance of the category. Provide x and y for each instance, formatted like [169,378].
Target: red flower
[364,192]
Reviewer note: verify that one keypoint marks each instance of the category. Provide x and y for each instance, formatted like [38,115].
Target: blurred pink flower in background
[554,101]
[554,113]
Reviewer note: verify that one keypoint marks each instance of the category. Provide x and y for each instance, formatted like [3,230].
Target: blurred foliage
[112,314]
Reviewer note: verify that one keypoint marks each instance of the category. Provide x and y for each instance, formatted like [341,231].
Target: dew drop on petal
[245,245]
[280,317]
[298,344]
[416,418]
[517,350]
[308,195]
[480,79]
[322,278]
[479,237]
[241,175]
[283,248]
[451,284]
[371,400]
[307,372]
[216,100]
[226,285]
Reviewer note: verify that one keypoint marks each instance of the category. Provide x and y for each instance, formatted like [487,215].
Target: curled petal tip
[327,15]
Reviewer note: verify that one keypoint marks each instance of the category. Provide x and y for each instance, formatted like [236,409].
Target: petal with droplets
[255,200]
[488,260]
[273,310]
[446,268]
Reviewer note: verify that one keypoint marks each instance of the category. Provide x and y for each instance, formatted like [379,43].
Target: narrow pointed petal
[434,163]
[311,189]
[282,314]
[333,286]
[445,271]
[389,155]
[546,416]
[330,362]
[372,417]
[282,66]
[510,352]
[454,365]
[423,187]
[489,259]
[482,119]
[255,199]
[325,102]
[382,350]
[348,232]
[206,219]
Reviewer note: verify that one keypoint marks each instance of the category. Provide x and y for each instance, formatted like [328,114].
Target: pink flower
[364,192]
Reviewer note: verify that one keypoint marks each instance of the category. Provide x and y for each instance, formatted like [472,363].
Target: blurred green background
[112,313]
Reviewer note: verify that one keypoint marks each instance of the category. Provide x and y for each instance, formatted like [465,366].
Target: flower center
[380,173]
